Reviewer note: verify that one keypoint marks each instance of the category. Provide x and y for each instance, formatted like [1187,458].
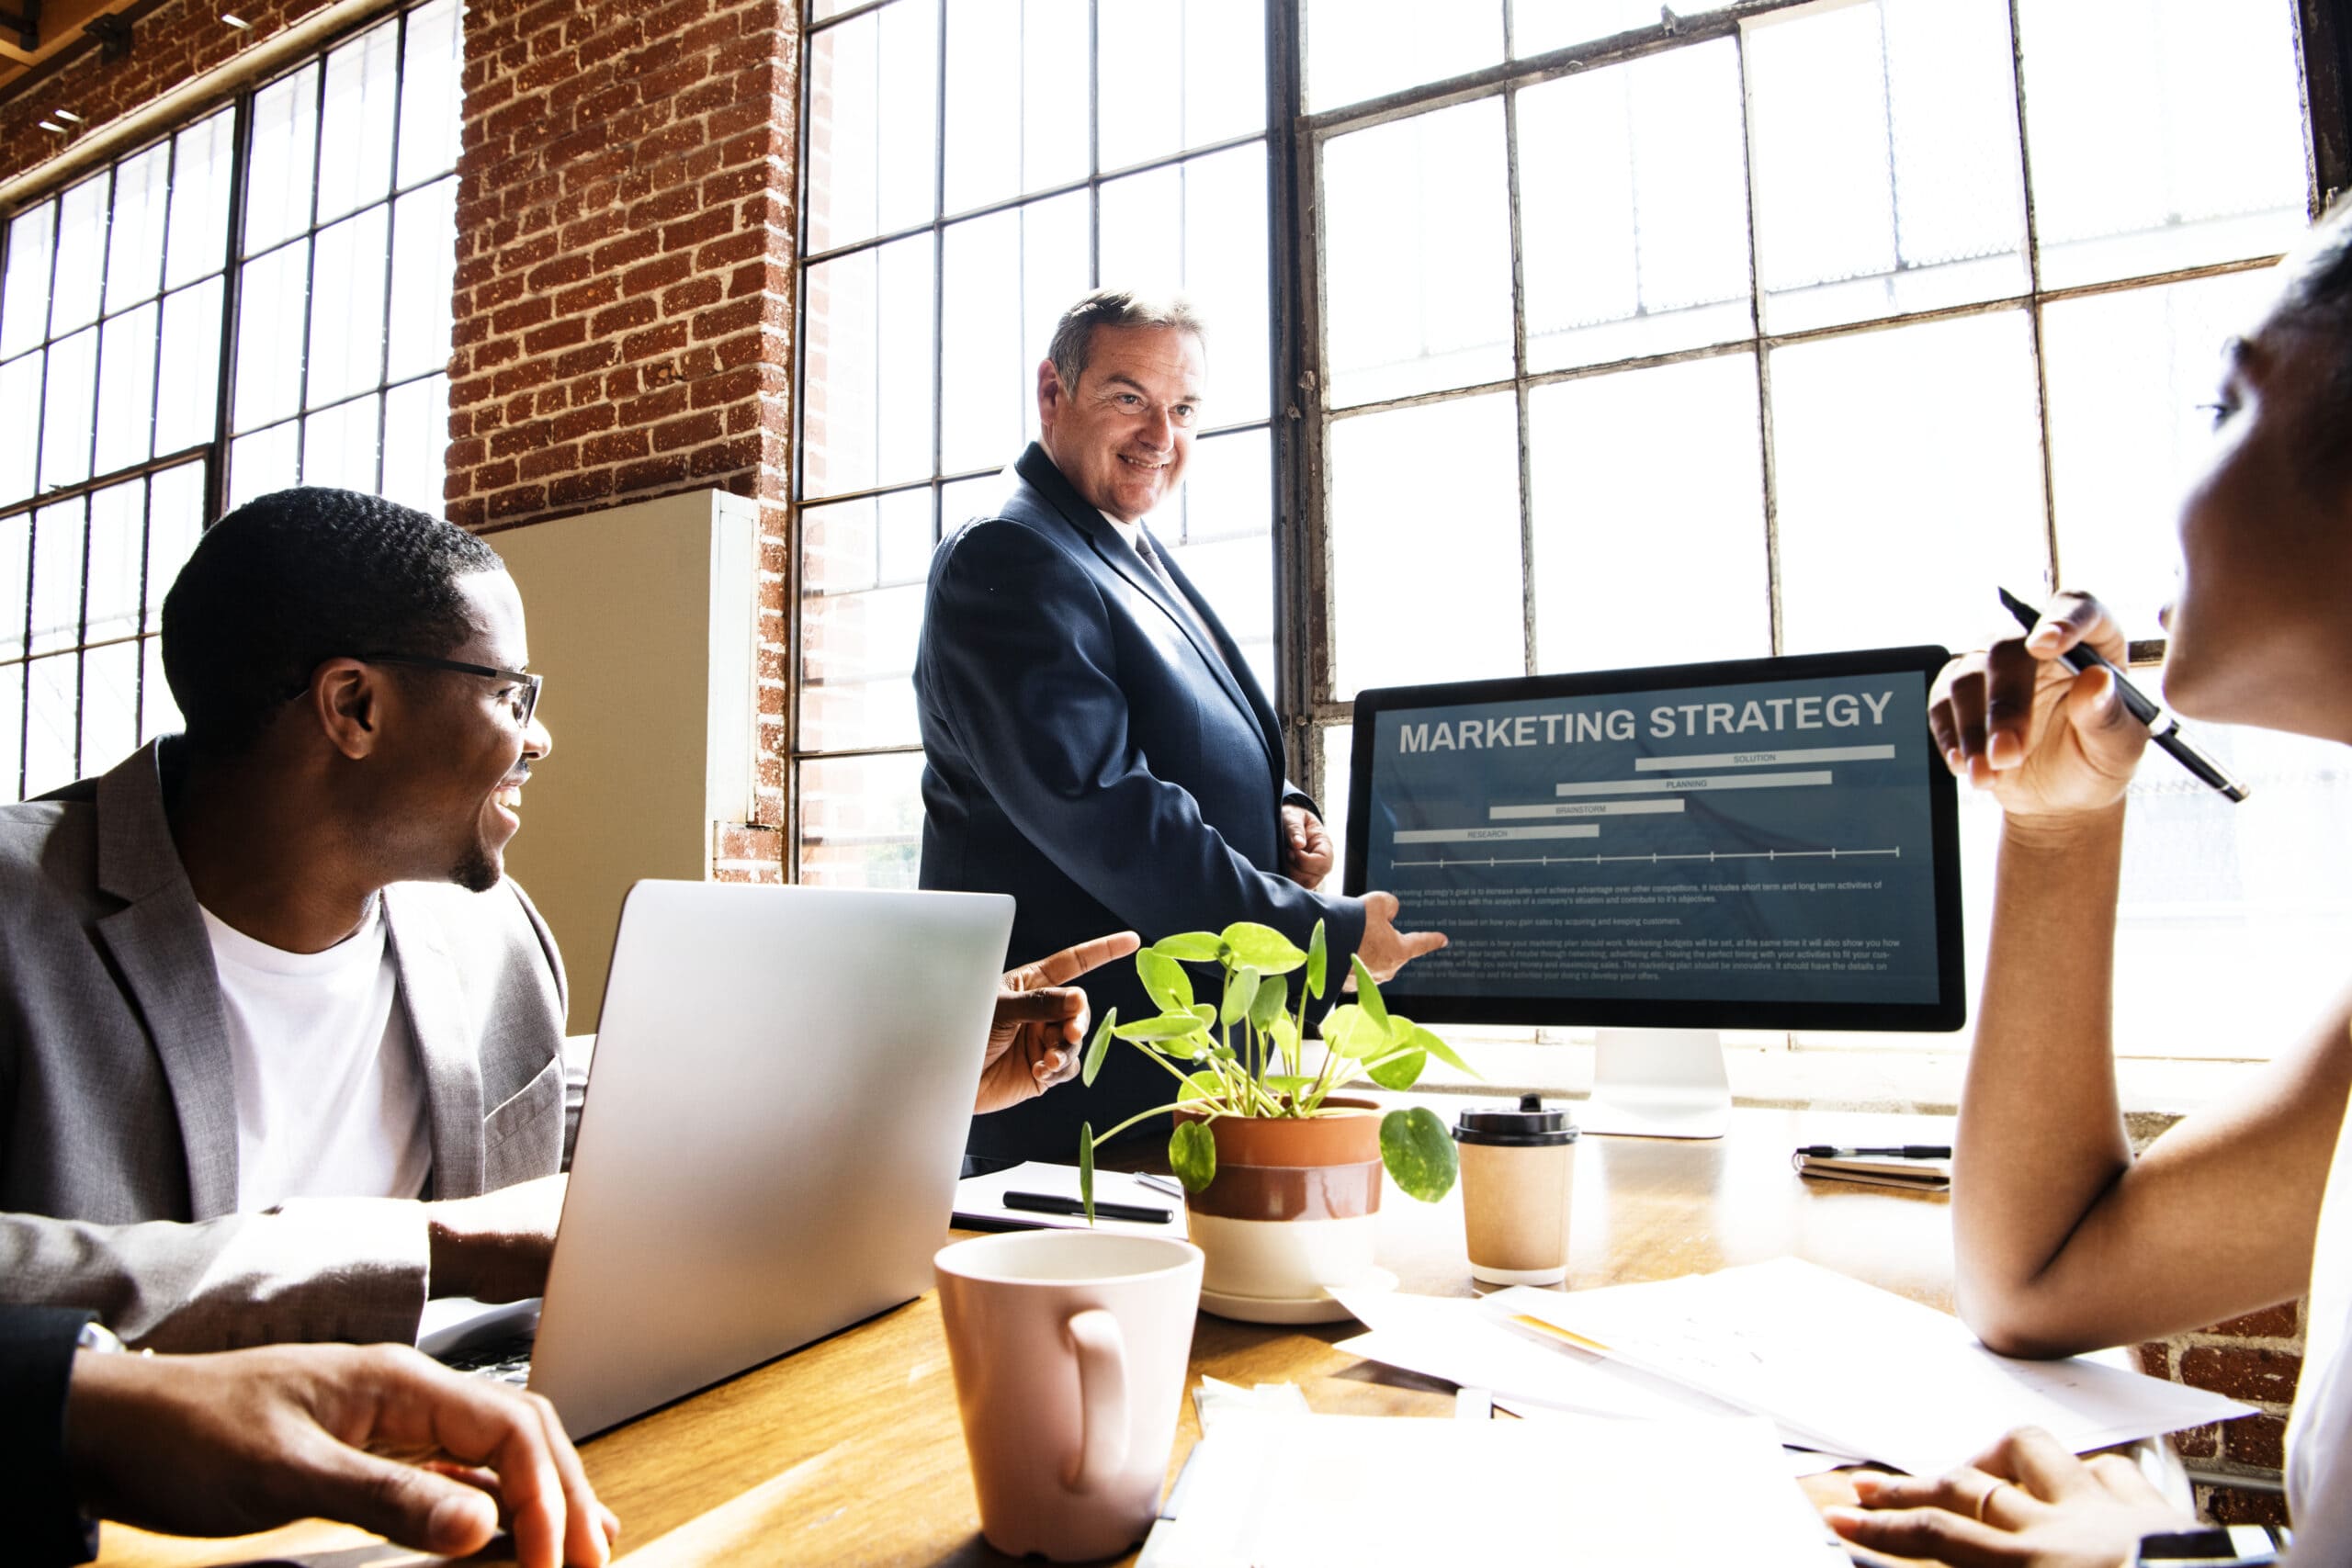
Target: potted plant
[1282,1177]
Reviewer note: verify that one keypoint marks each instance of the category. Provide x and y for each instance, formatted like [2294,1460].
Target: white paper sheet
[1848,1367]
[1285,1491]
[981,1199]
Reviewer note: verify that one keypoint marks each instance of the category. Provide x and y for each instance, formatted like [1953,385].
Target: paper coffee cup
[1516,1171]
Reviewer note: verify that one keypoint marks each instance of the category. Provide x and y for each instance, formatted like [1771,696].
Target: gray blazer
[117,1104]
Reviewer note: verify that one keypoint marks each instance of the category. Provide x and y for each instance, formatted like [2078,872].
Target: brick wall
[624,286]
[2255,1358]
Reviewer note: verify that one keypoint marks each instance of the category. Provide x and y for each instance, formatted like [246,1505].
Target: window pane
[865,399]
[126,389]
[1417,254]
[51,728]
[24,291]
[1538,27]
[202,167]
[1401,611]
[1226,544]
[1886,167]
[69,408]
[2126,373]
[339,446]
[981,496]
[356,142]
[158,713]
[15,585]
[175,519]
[1177,74]
[1361,49]
[81,257]
[2212,115]
[429,91]
[56,576]
[873,124]
[142,188]
[285,140]
[263,462]
[1016,96]
[1634,209]
[416,444]
[20,409]
[187,392]
[1200,227]
[857,661]
[838,542]
[1909,471]
[1009,276]
[905,540]
[110,707]
[347,311]
[269,336]
[861,820]
[425,259]
[1620,501]
[118,549]
[12,728]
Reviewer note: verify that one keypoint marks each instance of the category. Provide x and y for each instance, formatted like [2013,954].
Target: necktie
[1144,548]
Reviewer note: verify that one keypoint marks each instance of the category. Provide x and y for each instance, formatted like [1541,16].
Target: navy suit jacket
[1092,752]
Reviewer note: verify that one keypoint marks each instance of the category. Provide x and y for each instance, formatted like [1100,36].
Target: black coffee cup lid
[1530,1125]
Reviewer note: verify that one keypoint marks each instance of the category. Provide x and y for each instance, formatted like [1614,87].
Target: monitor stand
[1659,1083]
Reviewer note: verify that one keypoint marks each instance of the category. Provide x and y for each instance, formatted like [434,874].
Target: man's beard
[478,871]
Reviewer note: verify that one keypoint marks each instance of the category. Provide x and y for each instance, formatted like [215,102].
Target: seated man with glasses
[281,1050]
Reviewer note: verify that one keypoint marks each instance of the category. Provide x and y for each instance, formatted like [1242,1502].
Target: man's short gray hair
[1074,333]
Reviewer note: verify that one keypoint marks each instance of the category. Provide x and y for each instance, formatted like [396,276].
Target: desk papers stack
[979,1200]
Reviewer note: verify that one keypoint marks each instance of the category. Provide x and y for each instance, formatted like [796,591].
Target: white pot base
[1316,1308]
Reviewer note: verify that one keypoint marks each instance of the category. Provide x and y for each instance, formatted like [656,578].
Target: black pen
[2163,728]
[1897,1151]
[1055,1204]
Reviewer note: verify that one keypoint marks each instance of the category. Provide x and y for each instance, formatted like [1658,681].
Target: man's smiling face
[1122,434]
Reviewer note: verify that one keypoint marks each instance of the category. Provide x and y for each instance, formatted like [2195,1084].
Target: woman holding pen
[2064,1241]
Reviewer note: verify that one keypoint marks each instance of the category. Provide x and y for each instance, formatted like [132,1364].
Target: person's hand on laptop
[377,1436]
[1039,1035]
[495,1248]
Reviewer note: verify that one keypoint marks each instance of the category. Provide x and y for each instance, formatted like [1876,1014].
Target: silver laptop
[776,1119]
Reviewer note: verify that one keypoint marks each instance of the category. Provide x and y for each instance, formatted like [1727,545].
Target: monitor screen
[1771,844]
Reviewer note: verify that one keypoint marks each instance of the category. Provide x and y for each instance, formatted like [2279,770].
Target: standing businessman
[1095,744]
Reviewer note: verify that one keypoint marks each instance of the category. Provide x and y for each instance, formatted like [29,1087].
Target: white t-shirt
[2319,1434]
[330,1099]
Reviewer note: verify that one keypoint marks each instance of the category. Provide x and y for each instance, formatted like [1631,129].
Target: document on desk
[1274,1490]
[980,1205]
[1851,1368]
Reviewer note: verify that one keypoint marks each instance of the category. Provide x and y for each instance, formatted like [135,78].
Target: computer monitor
[1768,843]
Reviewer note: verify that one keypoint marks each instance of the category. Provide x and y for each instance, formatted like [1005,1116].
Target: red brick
[691,296]
[468,513]
[618,447]
[557,335]
[2242,1506]
[726,387]
[518,502]
[493,476]
[691,431]
[518,438]
[587,360]
[580,422]
[522,314]
[620,318]
[2265,1375]
[667,470]
[2270,1322]
[590,296]
[576,490]
[2257,1440]
[665,403]
[556,272]
[667,338]
[732,317]
[658,274]
[2156,1358]
[549,460]
[621,253]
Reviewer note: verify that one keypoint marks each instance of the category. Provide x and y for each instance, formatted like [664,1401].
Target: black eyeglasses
[527,685]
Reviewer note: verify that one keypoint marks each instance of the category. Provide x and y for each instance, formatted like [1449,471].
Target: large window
[1088,144]
[1599,340]
[285,260]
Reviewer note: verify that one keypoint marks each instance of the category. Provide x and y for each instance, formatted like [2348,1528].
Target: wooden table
[848,1451]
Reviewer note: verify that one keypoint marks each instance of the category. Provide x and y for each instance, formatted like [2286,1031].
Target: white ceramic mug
[1069,1349]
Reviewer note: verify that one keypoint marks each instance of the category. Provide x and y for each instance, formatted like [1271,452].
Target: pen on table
[1167,1184]
[1892,1151]
[2163,728]
[1055,1204]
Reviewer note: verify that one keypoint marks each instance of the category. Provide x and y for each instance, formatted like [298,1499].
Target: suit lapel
[1228,661]
[157,940]
[436,1020]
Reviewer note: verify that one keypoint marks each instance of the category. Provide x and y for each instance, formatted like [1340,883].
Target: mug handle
[1102,1400]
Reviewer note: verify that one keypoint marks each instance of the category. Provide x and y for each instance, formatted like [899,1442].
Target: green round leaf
[1192,1153]
[1241,990]
[1319,962]
[1368,994]
[1097,1048]
[1192,947]
[1201,1086]
[1164,978]
[1273,996]
[1348,1032]
[1262,948]
[1166,1026]
[1409,1032]
[1418,1153]
[1205,1013]
[1398,1069]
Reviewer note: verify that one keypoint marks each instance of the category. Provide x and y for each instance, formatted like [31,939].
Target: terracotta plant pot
[1291,1210]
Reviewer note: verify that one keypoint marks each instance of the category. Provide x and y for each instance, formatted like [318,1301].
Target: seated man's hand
[1040,1028]
[377,1436]
[1306,848]
[2027,1503]
[1384,949]
[495,1246]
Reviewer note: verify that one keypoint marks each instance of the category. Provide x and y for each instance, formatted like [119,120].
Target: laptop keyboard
[508,1360]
